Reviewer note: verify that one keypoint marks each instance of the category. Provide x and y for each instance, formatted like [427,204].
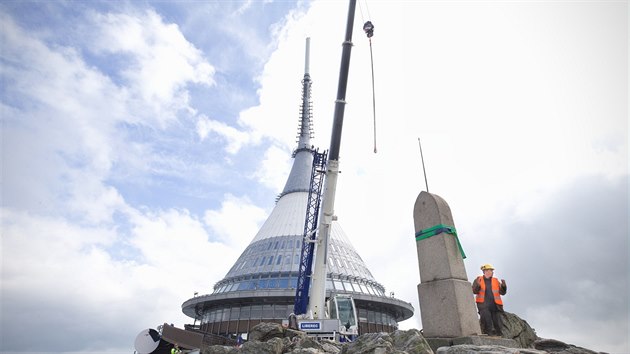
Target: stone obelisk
[446,302]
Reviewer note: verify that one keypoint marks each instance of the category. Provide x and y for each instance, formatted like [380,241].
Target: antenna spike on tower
[307,59]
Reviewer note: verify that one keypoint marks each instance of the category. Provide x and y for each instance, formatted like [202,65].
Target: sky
[144,143]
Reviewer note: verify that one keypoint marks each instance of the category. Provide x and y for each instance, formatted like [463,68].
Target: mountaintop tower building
[261,285]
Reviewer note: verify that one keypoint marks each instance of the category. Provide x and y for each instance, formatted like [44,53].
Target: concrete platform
[435,343]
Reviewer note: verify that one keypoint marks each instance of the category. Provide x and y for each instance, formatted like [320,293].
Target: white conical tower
[261,284]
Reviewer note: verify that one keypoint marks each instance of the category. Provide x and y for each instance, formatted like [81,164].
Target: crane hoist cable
[368,27]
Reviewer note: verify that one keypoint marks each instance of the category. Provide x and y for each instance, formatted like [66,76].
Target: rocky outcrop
[558,347]
[370,343]
[411,341]
[264,331]
[272,346]
[272,338]
[486,349]
[219,349]
[398,342]
[518,329]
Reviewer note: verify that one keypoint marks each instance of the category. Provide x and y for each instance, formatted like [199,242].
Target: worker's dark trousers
[491,322]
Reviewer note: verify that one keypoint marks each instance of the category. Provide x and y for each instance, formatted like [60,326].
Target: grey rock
[288,344]
[550,345]
[371,343]
[306,351]
[271,338]
[331,346]
[486,340]
[272,346]
[411,342]
[518,329]
[264,331]
[219,349]
[486,349]
[308,343]
[292,333]
[435,343]
[557,347]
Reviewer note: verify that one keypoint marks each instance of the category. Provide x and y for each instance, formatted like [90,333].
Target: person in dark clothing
[293,323]
[488,291]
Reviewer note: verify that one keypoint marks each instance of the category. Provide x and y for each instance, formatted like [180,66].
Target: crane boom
[316,305]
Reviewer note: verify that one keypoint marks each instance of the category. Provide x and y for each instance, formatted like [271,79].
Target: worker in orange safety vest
[488,291]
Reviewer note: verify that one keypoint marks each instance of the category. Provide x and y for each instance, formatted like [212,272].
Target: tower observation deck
[261,285]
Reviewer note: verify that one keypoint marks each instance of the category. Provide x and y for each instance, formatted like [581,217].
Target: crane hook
[368,27]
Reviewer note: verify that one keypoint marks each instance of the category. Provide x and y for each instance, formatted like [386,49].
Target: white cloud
[571,331]
[277,114]
[244,7]
[83,283]
[61,260]
[235,138]
[237,222]
[172,243]
[73,251]
[274,168]
[70,142]
[83,122]
[161,61]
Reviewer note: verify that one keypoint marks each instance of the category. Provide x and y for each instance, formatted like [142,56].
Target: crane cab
[342,308]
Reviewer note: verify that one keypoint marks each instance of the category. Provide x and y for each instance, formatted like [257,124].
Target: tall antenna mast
[305,127]
[307,55]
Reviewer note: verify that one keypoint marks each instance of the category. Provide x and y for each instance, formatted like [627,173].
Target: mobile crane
[336,317]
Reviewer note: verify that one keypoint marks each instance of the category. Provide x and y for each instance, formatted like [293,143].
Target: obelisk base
[447,310]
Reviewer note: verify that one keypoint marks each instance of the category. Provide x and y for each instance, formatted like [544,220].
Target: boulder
[485,349]
[305,351]
[307,345]
[292,333]
[518,329]
[305,342]
[272,346]
[264,331]
[272,338]
[411,342]
[558,347]
[219,349]
[331,346]
[370,343]
[398,342]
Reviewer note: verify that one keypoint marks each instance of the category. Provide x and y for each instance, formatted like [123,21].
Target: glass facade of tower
[272,265]
[236,318]
[260,286]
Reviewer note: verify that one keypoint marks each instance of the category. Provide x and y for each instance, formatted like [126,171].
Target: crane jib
[317,297]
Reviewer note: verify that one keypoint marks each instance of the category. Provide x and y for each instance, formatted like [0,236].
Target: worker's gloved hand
[476,286]
[503,282]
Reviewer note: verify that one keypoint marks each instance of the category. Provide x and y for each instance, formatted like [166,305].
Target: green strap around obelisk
[438,229]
